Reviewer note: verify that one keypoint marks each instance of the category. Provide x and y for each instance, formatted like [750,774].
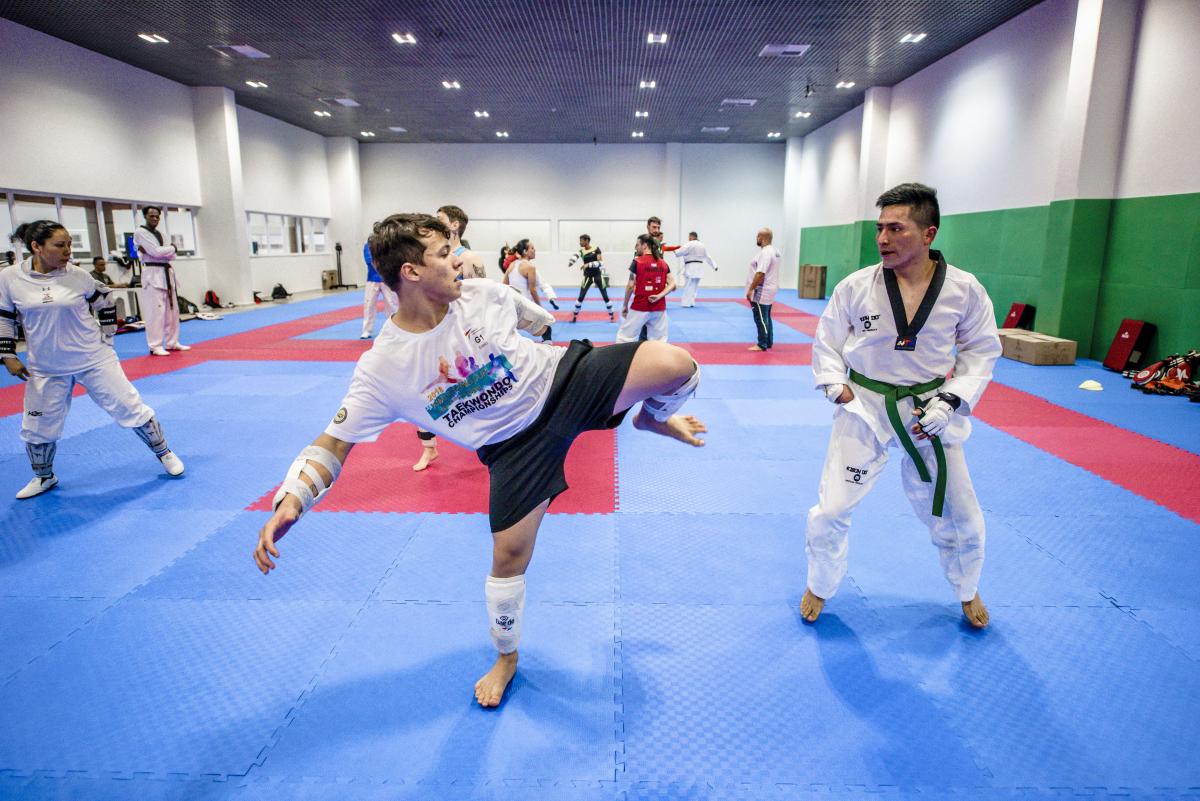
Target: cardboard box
[328,279]
[1031,348]
[812,280]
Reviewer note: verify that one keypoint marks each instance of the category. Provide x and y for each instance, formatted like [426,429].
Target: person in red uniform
[649,284]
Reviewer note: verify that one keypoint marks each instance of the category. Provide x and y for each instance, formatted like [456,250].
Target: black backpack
[186,306]
[279,293]
[211,300]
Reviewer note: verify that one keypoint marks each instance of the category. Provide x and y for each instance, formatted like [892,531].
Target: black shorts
[527,468]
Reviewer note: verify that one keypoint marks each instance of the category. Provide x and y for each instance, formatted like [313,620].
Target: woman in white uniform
[55,302]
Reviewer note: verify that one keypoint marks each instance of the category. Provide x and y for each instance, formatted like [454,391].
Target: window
[275,239]
[6,230]
[31,208]
[258,233]
[291,227]
[180,225]
[119,222]
[313,234]
[79,218]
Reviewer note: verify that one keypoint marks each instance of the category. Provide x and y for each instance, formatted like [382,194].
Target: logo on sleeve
[856,475]
[340,417]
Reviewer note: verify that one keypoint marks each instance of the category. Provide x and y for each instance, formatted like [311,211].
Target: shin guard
[661,407]
[505,606]
[151,433]
[41,457]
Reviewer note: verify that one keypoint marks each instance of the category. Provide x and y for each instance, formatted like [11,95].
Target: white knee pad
[506,607]
[663,406]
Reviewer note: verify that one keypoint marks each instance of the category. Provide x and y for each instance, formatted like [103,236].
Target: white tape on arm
[294,483]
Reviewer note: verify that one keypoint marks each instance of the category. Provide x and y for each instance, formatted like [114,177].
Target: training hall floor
[144,657]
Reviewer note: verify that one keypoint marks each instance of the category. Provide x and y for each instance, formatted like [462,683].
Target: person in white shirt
[452,360]
[890,333]
[55,302]
[692,255]
[522,274]
[159,296]
[761,286]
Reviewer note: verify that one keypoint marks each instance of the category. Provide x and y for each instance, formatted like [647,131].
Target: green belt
[891,395]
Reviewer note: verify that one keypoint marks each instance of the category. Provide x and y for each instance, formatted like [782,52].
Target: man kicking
[518,402]
[891,333]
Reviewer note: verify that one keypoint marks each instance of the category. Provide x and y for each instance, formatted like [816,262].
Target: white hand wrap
[294,483]
[833,392]
[937,416]
[661,407]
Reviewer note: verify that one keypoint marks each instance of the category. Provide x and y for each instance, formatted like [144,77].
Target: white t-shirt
[62,334]
[472,379]
[767,263]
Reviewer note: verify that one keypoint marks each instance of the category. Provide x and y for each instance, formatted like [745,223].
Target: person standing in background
[159,296]
[761,286]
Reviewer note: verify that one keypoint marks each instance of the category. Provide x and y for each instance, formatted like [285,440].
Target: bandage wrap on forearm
[661,407]
[8,333]
[294,483]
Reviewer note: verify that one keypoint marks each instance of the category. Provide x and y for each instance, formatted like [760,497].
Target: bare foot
[811,606]
[427,456]
[975,612]
[756,347]
[490,689]
[682,427]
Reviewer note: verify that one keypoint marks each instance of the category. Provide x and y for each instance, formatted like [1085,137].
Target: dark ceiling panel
[558,71]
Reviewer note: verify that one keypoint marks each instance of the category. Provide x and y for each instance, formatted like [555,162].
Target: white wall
[283,166]
[1159,154]
[713,188]
[78,136]
[982,124]
[828,172]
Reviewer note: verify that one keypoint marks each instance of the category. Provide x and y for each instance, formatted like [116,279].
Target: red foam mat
[1162,473]
[378,477]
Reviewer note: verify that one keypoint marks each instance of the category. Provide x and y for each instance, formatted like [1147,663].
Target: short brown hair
[396,241]
[653,220]
[455,214]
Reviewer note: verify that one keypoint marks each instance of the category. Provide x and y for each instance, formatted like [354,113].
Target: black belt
[694,262]
[156,264]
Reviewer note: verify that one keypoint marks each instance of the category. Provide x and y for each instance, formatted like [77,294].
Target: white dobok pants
[371,292]
[48,399]
[631,326]
[852,466]
[160,315]
[689,292]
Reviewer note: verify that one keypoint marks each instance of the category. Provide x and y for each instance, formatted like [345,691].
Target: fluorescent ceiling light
[320,113]
[256,84]
[912,38]
[647,84]
[367,133]
[479,113]
[349,102]
[404,38]
[656,38]
[451,85]
[397,129]
[638,134]
[641,113]
[153,38]
[774,135]
[845,84]
[804,115]
[502,134]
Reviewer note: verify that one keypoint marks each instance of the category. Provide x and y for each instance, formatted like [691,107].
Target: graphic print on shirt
[870,323]
[453,397]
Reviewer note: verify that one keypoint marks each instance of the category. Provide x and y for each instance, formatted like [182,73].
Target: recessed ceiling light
[320,113]
[804,115]
[647,84]
[479,113]
[256,84]
[404,38]
[641,113]
[397,129]
[638,134]
[348,102]
[845,84]
[153,38]
[774,135]
[502,134]
[912,38]
[451,85]
[656,38]
[367,133]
